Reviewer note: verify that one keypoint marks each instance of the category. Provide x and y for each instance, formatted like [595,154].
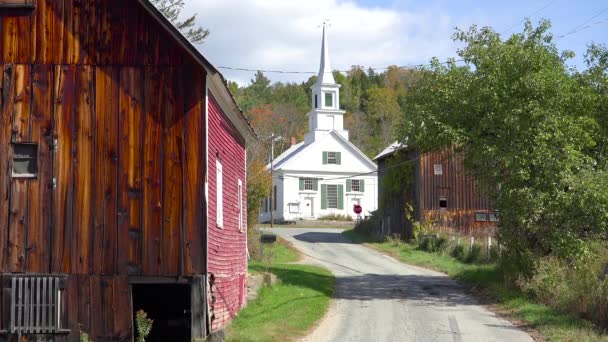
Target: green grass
[288,309]
[550,323]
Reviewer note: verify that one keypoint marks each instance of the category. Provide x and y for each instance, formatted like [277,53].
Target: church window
[308,184]
[355,185]
[316,101]
[329,100]
[332,158]
[332,196]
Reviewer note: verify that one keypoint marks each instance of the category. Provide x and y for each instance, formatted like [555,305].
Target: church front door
[309,207]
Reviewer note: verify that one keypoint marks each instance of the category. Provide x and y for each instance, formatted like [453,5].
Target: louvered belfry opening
[35,304]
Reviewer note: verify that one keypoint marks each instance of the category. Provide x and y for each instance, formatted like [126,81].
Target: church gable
[331,153]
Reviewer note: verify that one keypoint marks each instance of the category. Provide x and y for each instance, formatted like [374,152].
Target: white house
[325,174]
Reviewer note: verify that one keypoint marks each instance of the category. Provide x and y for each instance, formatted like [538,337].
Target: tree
[383,113]
[256,94]
[171,9]
[528,129]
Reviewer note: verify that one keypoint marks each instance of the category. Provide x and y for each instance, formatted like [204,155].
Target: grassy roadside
[551,324]
[291,307]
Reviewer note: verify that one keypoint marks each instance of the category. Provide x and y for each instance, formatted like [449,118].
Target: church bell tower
[325,115]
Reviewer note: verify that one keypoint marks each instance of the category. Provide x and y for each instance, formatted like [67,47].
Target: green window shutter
[362,185]
[301,184]
[340,196]
[324,157]
[315,184]
[339,158]
[348,185]
[323,196]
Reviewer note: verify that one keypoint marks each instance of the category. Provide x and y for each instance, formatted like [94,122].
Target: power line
[580,27]
[355,175]
[601,21]
[408,66]
[529,16]
[572,31]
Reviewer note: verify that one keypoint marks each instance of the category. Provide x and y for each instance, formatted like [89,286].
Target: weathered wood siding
[464,198]
[227,260]
[461,191]
[117,110]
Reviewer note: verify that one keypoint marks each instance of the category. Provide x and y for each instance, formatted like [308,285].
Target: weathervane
[326,23]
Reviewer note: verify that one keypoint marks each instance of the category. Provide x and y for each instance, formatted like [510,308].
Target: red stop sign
[357,209]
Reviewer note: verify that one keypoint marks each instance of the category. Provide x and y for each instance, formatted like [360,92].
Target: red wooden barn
[437,187]
[122,176]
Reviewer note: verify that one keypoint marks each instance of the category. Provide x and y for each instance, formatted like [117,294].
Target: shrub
[577,287]
[143,325]
[427,244]
[253,242]
[441,244]
[335,217]
[394,240]
[458,252]
[494,254]
[367,226]
[474,254]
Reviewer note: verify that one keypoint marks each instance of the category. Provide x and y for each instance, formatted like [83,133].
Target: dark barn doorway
[169,306]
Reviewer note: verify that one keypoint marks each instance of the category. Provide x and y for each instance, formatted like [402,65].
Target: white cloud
[285,35]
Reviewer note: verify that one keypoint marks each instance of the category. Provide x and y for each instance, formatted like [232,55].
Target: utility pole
[273,138]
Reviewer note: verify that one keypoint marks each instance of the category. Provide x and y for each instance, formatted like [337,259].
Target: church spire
[325,73]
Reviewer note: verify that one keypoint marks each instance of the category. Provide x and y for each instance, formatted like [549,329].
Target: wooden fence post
[489,247]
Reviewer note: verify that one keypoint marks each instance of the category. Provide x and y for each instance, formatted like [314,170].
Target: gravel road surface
[380,299]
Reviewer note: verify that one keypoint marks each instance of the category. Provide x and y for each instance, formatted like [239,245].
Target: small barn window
[219,203]
[240,199]
[35,304]
[493,217]
[17,4]
[443,203]
[25,160]
[438,169]
[481,217]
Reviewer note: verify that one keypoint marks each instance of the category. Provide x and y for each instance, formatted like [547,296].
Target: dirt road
[380,299]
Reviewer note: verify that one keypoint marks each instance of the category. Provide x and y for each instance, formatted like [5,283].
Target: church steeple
[326,114]
[325,73]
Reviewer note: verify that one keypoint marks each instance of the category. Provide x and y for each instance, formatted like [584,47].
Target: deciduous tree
[529,130]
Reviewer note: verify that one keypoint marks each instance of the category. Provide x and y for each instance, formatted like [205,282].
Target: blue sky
[285,34]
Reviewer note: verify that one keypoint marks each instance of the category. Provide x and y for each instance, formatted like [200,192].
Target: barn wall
[126,166]
[227,246]
[117,111]
[461,191]
[87,32]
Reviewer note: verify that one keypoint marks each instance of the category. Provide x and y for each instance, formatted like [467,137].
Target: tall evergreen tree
[171,9]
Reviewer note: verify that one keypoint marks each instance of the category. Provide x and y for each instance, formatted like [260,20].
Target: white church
[325,174]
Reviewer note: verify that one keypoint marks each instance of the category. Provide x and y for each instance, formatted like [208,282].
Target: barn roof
[198,57]
[391,149]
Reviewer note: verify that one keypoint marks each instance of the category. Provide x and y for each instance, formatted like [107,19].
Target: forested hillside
[373,103]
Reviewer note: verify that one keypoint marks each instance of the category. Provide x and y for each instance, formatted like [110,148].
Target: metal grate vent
[35,304]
